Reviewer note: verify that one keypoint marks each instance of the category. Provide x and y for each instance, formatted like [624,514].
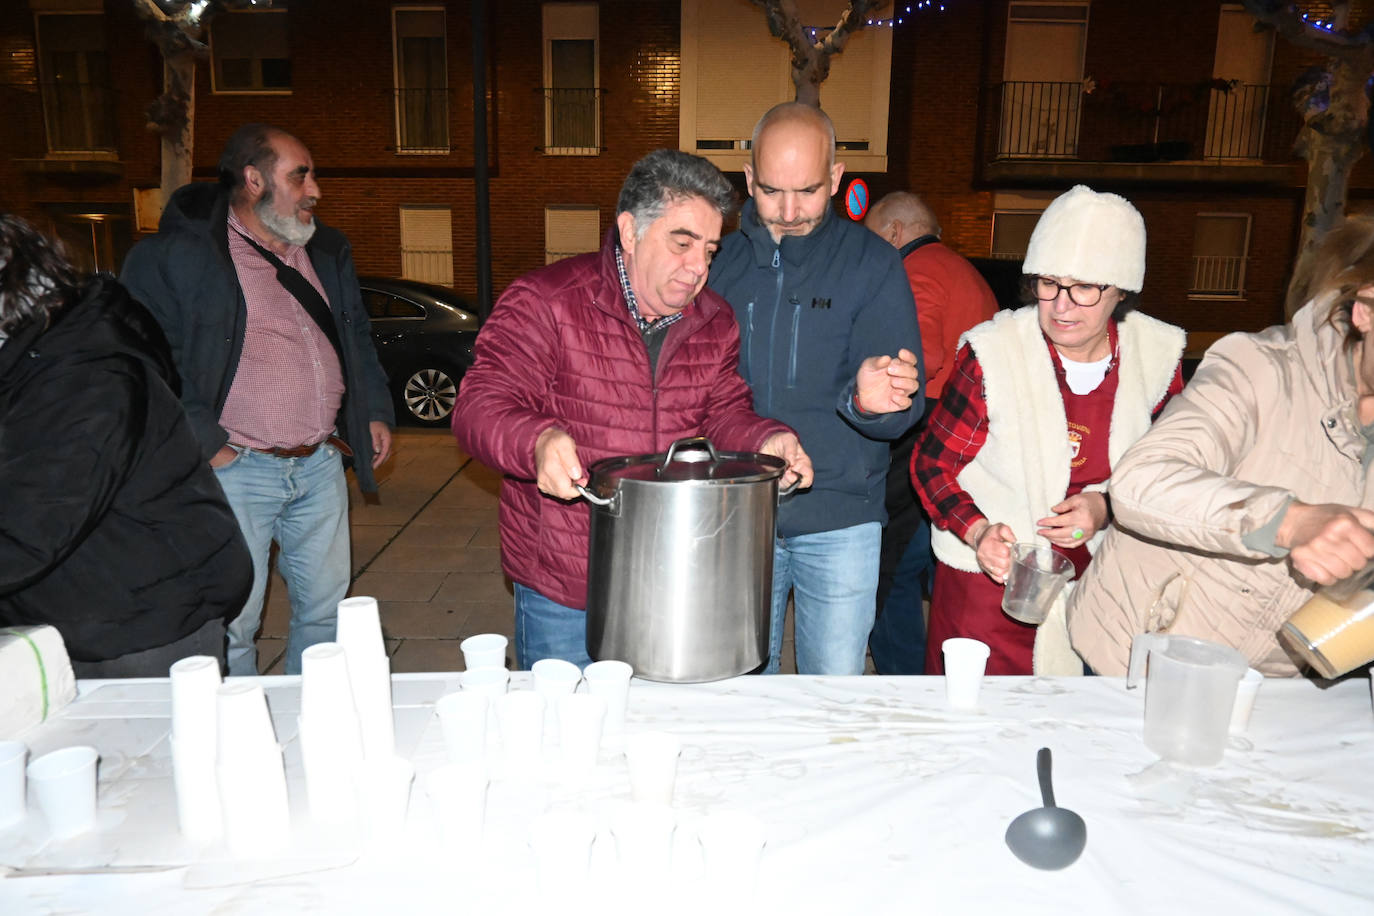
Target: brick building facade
[347,85]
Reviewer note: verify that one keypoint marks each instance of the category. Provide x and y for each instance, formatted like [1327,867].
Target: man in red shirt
[951,297]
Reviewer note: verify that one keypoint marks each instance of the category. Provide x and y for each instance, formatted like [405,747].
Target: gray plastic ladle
[1048,837]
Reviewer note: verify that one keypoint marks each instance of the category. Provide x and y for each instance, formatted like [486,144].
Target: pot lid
[692,459]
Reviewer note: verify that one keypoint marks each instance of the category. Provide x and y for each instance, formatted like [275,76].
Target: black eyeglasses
[1047,289]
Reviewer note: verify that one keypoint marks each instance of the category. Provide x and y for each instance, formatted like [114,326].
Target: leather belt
[304,451]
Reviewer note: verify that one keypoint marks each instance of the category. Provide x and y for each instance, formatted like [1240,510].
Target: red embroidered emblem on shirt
[1077,433]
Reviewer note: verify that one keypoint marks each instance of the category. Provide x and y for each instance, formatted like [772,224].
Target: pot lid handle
[699,443]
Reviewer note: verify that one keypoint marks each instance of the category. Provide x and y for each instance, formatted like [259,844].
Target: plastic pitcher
[1189,695]
[1037,575]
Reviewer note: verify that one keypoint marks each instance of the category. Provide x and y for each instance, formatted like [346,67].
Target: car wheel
[427,395]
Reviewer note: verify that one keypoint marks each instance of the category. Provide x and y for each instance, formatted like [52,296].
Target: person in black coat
[113,529]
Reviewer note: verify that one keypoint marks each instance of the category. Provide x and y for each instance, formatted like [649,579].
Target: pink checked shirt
[288,386]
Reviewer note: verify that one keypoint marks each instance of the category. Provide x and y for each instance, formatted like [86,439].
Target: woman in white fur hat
[1042,402]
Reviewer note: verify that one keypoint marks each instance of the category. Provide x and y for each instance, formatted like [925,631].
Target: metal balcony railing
[1213,121]
[572,120]
[422,120]
[80,117]
[1218,275]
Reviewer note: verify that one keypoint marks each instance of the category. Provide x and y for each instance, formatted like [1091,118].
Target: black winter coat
[186,278]
[113,528]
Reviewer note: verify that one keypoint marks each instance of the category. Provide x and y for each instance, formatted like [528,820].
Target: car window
[376,303]
[403,308]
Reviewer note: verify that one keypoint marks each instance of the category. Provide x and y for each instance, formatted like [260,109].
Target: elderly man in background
[951,297]
[262,308]
[830,347]
[618,352]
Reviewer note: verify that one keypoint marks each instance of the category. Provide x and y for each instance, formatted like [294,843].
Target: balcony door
[1235,115]
[1043,80]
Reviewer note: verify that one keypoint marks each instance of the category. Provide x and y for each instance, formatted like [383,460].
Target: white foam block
[36,677]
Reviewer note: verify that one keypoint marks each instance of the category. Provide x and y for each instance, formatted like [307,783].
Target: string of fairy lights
[896,19]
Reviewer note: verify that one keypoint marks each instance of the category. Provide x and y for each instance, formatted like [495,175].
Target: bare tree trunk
[1332,143]
[178,125]
[810,58]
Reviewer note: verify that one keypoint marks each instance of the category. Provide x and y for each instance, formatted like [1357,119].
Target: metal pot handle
[696,442]
[789,489]
[595,500]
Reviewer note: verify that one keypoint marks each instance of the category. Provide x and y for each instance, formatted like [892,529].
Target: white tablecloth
[877,799]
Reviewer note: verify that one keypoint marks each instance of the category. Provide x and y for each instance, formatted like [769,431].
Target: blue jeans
[302,504]
[898,640]
[833,577]
[546,629]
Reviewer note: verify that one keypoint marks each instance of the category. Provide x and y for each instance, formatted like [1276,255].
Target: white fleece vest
[1023,467]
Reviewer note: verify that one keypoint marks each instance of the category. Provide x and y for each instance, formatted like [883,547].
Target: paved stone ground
[428,550]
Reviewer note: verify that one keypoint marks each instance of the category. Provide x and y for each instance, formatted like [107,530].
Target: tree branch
[852,20]
[1288,22]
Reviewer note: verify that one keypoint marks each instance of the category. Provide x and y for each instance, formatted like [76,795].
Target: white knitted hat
[1093,237]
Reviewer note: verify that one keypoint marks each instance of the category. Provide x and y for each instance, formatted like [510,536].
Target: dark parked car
[424,336]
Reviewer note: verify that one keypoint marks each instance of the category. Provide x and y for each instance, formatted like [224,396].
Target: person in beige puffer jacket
[1252,488]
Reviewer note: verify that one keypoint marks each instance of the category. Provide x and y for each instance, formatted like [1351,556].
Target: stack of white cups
[331,739]
[369,674]
[195,682]
[252,780]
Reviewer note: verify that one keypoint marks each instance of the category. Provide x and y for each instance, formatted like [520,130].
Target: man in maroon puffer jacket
[618,352]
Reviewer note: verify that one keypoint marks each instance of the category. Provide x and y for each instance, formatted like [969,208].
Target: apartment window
[250,52]
[1221,248]
[427,244]
[421,65]
[1042,80]
[569,231]
[78,104]
[572,93]
[719,104]
[1011,232]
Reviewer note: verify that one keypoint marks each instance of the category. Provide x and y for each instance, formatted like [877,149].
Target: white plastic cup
[520,716]
[553,678]
[965,662]
[485,650]
[562,845]
[459,793]
[652,758]
[194,681]
[463,721]
[13,756]
[610,679]
[64,785]
[644,841]
[1245,700]
[250,773]
[332,758]
[491,681]
[242,721]
[359,627]
[384,796]
[731,847]
[370,678]
[581,717]
[193,776]
[325,688]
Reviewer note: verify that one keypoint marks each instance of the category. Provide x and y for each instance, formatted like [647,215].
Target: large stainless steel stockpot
[680,567]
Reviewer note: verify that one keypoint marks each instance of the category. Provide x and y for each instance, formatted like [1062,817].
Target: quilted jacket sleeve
[498,416]
[1178,484]
[68,445]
